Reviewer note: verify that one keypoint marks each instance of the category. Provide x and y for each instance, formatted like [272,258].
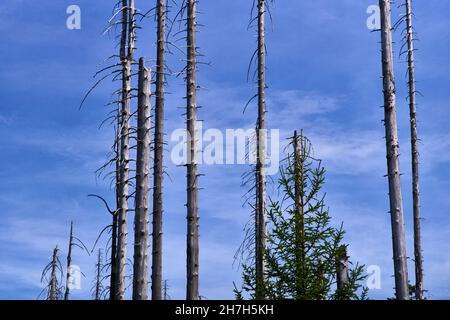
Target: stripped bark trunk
[158,156]
[192,183]
[113,258]
[342,278]
[141,221]
[165,290]
[53,280]
[126,58]
[98,276]
[418,259]
[260,214]
[113,278]
[392,155]
[300,215]
[69,261]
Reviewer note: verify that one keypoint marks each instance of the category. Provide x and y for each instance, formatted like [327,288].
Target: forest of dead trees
[290,249]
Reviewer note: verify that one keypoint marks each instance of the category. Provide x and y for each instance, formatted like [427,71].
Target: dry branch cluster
[138,155]
[139,134]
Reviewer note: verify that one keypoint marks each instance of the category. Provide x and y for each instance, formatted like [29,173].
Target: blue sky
[323,76]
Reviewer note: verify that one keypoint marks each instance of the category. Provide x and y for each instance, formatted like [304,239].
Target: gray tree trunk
[53,280]
[342,278]
[98,276]
[127,58]
[165,295]
[113,257]
[418,259]
[159,148]
[192,292]
[141,220]
[392,155]
[260,214]
[113,276]
[69,261]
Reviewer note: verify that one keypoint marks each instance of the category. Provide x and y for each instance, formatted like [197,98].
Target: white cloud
[351,152]
[285,103]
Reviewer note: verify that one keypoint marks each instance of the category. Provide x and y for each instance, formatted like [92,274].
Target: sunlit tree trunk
[141,221]
[342,277]
[53,281]
[392,155]
[69,261]
[159,149]
[260,214]
[418,259]
[192,183]
[128,29]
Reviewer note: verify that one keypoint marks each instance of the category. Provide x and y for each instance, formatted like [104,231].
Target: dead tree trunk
[342,277]
[113,276]
[158,157]
[392,154]
[53,280]
[113,257]
[98,276]
[418,259]
[165,296]
[69,261]
[260,214]
[141,220]
[192,292]
[128,29]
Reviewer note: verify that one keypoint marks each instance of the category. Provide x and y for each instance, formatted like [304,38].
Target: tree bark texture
[126,59]
[141,221]
[392,155]
[342,278]
[192,292]
[53,280]
[418,259]
[98,276]
[158,154]
[69,262]
[260,214]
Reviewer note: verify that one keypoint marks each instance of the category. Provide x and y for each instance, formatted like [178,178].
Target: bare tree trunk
[69,261]
[192,292]
[141,220]
[98,276]
[53,280]
[113,258]
[113,277]
[165,296]
[127,33]
[159,148]
[392,154]
[260,215]
[342,278]
[418,259]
